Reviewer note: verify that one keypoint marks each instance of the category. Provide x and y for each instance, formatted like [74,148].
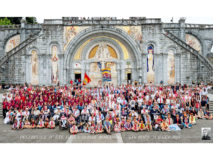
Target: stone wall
[188,67]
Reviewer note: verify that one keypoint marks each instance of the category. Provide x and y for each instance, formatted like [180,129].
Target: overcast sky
[195,11]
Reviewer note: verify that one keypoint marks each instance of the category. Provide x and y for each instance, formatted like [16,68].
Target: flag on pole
[86,79]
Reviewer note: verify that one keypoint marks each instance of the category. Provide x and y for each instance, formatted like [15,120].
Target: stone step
[190,49]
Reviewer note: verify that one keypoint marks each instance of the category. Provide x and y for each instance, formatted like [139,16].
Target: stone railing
[15,50]
[109,21]
[33,26]
[199,26]
[10,27]
[53,21]
[171,25]
[190,49]
[186,25]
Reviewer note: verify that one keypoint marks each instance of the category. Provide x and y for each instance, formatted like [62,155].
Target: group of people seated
[106,109]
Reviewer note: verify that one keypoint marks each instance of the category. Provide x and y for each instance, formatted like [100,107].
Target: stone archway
[102,56]
[89,33]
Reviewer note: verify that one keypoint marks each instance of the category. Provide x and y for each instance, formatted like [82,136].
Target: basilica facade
[135,49]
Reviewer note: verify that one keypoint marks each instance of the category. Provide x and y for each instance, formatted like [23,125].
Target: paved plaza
[192,135]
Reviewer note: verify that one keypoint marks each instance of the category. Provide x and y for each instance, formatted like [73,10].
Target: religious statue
[34,63]
[102,52]
[54,65]
[171,67]
[150,66]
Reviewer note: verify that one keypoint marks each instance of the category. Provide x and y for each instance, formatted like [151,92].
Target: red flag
[86,79]
[71,82]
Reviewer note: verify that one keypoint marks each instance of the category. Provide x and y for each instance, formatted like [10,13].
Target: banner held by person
[106,74]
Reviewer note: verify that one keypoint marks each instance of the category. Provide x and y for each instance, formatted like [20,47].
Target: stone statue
[34,62]
[54,65]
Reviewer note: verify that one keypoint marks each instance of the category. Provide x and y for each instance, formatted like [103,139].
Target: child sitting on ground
[51,124]
[63,121]
[192,119]
[117,127]
[15,125]
[74,129]
[142,126]
[164,126]
[46,123]
[99,128]
[92,127]
[128,125]
[27,124]
[135,126]
[20,124]
[33,124]
[40,123]
[123,125]
[87,128]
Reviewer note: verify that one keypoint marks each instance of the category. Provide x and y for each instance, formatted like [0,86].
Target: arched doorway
[103,56]
[95,48]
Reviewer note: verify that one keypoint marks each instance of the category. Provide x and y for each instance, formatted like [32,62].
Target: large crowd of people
[106,109]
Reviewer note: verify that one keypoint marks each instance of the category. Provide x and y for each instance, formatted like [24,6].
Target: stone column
[23,26]
[144,67]
[41,69]
[165,68]
[82,70]
[49,69]
[177,67]
[28,68]
[118,73]
[60,68]
[71,74]
[182,29]
[122,68]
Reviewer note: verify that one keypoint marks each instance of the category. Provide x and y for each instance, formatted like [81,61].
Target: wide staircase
[183,44]
[16,50]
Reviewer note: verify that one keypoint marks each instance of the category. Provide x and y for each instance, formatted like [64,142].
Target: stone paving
[192,135]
